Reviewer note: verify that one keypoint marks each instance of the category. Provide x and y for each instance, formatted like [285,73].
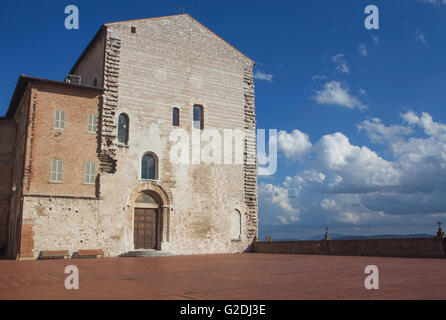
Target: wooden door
[145,233]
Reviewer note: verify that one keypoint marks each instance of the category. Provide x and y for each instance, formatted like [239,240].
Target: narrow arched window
[176,117]
[236,225]
[123,128]
[149,167]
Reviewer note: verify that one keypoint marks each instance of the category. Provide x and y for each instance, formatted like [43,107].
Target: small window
[198,117]
[95,82]
[148,167]
[56,170]
[176,117]
[90,173]
[133,29]
[92,125]
[123,128]
[59,119]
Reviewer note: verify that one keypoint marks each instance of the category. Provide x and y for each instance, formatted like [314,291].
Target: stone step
[146,254]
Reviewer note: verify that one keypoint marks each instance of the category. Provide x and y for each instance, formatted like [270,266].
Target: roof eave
[23,83]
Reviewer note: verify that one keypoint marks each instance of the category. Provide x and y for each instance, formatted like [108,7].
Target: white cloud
[302,179]
[318,77]
[348,217]
[425,122]
[361,169]
[333,93]
[293,144]
[329,204]
[277,195]
[419,36]
[379,133]
[353,185]
[363,50]
[339,59]
[313,176]
[259,75]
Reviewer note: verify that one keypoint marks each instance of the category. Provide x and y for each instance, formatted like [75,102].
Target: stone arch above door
[153,189]
[161,196]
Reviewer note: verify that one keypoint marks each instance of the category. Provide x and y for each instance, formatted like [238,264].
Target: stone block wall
[176,62]
[59,224]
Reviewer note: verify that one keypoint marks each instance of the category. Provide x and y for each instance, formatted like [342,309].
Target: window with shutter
[92,125]
[59,119]
[90,173]
[56,171]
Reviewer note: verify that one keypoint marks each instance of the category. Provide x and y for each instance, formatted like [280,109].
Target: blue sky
[361,113]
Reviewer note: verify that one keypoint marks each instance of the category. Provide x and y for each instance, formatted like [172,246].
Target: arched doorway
[148,195]
[147,222]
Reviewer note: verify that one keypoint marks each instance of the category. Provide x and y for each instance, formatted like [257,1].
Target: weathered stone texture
[60,223]
[176,62]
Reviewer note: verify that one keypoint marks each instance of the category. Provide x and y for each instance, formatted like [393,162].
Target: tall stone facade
[143,69]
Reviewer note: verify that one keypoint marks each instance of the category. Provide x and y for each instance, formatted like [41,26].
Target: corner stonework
[107,155]
[250,158]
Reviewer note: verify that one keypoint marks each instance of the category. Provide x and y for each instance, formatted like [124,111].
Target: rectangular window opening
[56,171]
[198,117]
[90,173]
[92,126]
[176,117]
[59,119]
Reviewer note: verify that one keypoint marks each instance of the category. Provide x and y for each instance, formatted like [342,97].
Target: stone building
[86,163]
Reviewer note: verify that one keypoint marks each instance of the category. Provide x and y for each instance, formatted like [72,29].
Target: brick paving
[231,276]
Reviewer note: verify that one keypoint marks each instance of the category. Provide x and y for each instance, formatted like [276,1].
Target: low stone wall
[291,247]
[404,247]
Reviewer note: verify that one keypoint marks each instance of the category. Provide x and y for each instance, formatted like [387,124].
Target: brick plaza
[226,276]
